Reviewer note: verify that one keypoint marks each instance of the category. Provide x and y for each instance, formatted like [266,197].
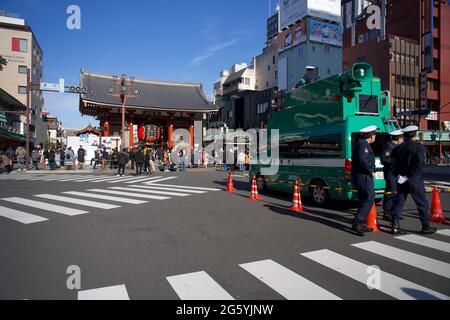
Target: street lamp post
[122,90]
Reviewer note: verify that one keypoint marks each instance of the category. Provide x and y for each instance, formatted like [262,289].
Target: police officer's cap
[410,129]
[396,133]
[369,129]
[310,68]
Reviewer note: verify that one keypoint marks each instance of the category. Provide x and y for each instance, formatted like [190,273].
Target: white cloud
[212,50]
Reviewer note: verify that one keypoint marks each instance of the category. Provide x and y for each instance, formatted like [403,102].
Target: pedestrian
[241,160]
[363,172]
[58,158]
[147,159]
[96,158]
[81,153]
[63,157]
[166,160]
[70,157]
[390,192]
[122,160]
[247,161]
[132,152]
[152,160]
[36,157]
[408,166]
[21,153]
[6,162]
[114,159]
[51,159]
[139,159]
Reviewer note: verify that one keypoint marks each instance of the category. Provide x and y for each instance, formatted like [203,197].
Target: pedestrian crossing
[82,178]
[292,285]
[108,198]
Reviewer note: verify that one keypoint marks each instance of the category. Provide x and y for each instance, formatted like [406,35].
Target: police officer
[363,171]
[408,163]
[396,138]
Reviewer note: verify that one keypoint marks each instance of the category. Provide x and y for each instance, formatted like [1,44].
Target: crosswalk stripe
[445,232]
[180,186]
[45,206]
[410,258]
[165,188]
[136,180]
[107,293]
[92,178]
[426,242]
[162,179]
[120,193]
[389,284]
[143,179]
[104,197]
[110,178]
[87,203]
[151,191]
[198,286]
[20,216]
[122,179]
[286,282]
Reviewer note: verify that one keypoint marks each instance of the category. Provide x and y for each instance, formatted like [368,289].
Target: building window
[22,89]
[19,45]
[268,67]
[230,114]
[276,74]
[326,49]
[273,60]
[23,69]
[262,107]
[247,81]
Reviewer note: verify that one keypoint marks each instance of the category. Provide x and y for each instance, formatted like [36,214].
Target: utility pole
[29,88]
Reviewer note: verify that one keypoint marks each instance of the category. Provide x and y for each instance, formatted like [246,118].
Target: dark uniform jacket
[363,158]
[386,156]
[409,158]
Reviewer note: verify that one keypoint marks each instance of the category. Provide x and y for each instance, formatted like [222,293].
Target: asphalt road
[207,244]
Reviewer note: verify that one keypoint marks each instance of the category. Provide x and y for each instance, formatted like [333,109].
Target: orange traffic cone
[372,219]
[436,207]
[297,200]
[230,187]
[255,194]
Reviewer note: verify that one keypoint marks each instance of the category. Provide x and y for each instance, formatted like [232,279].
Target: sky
[177,40]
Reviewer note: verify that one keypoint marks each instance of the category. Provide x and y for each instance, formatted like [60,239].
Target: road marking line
[426,242]
[110,178]
[389,284]
[286,282]
[122,179]
[20,216]
[151,191]
[104,197]
[162,179]
[145,179]
[181,186]
[86,203]
[445,232]
[135,180]
[412,259]
[165,188]
[45,206]
[120,193]
[198,286]
[96,179]
[106,293]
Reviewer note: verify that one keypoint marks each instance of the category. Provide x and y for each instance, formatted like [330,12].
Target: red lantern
[141,132]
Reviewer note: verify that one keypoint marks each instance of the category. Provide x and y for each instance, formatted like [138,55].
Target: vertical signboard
[282,74]
[428,27]
[423,92]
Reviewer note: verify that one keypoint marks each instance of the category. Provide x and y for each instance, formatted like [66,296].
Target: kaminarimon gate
[151,113]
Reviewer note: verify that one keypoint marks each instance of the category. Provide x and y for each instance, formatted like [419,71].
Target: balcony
[434,74]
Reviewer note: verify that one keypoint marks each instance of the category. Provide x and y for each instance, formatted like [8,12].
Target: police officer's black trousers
[366,195]
[391,190]
[416,189]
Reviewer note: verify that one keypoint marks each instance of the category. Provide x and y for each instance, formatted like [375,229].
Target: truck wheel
[319,195]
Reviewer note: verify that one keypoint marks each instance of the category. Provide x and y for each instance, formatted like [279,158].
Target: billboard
[294,10]
[325,32]
[291,37]
[273,26]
